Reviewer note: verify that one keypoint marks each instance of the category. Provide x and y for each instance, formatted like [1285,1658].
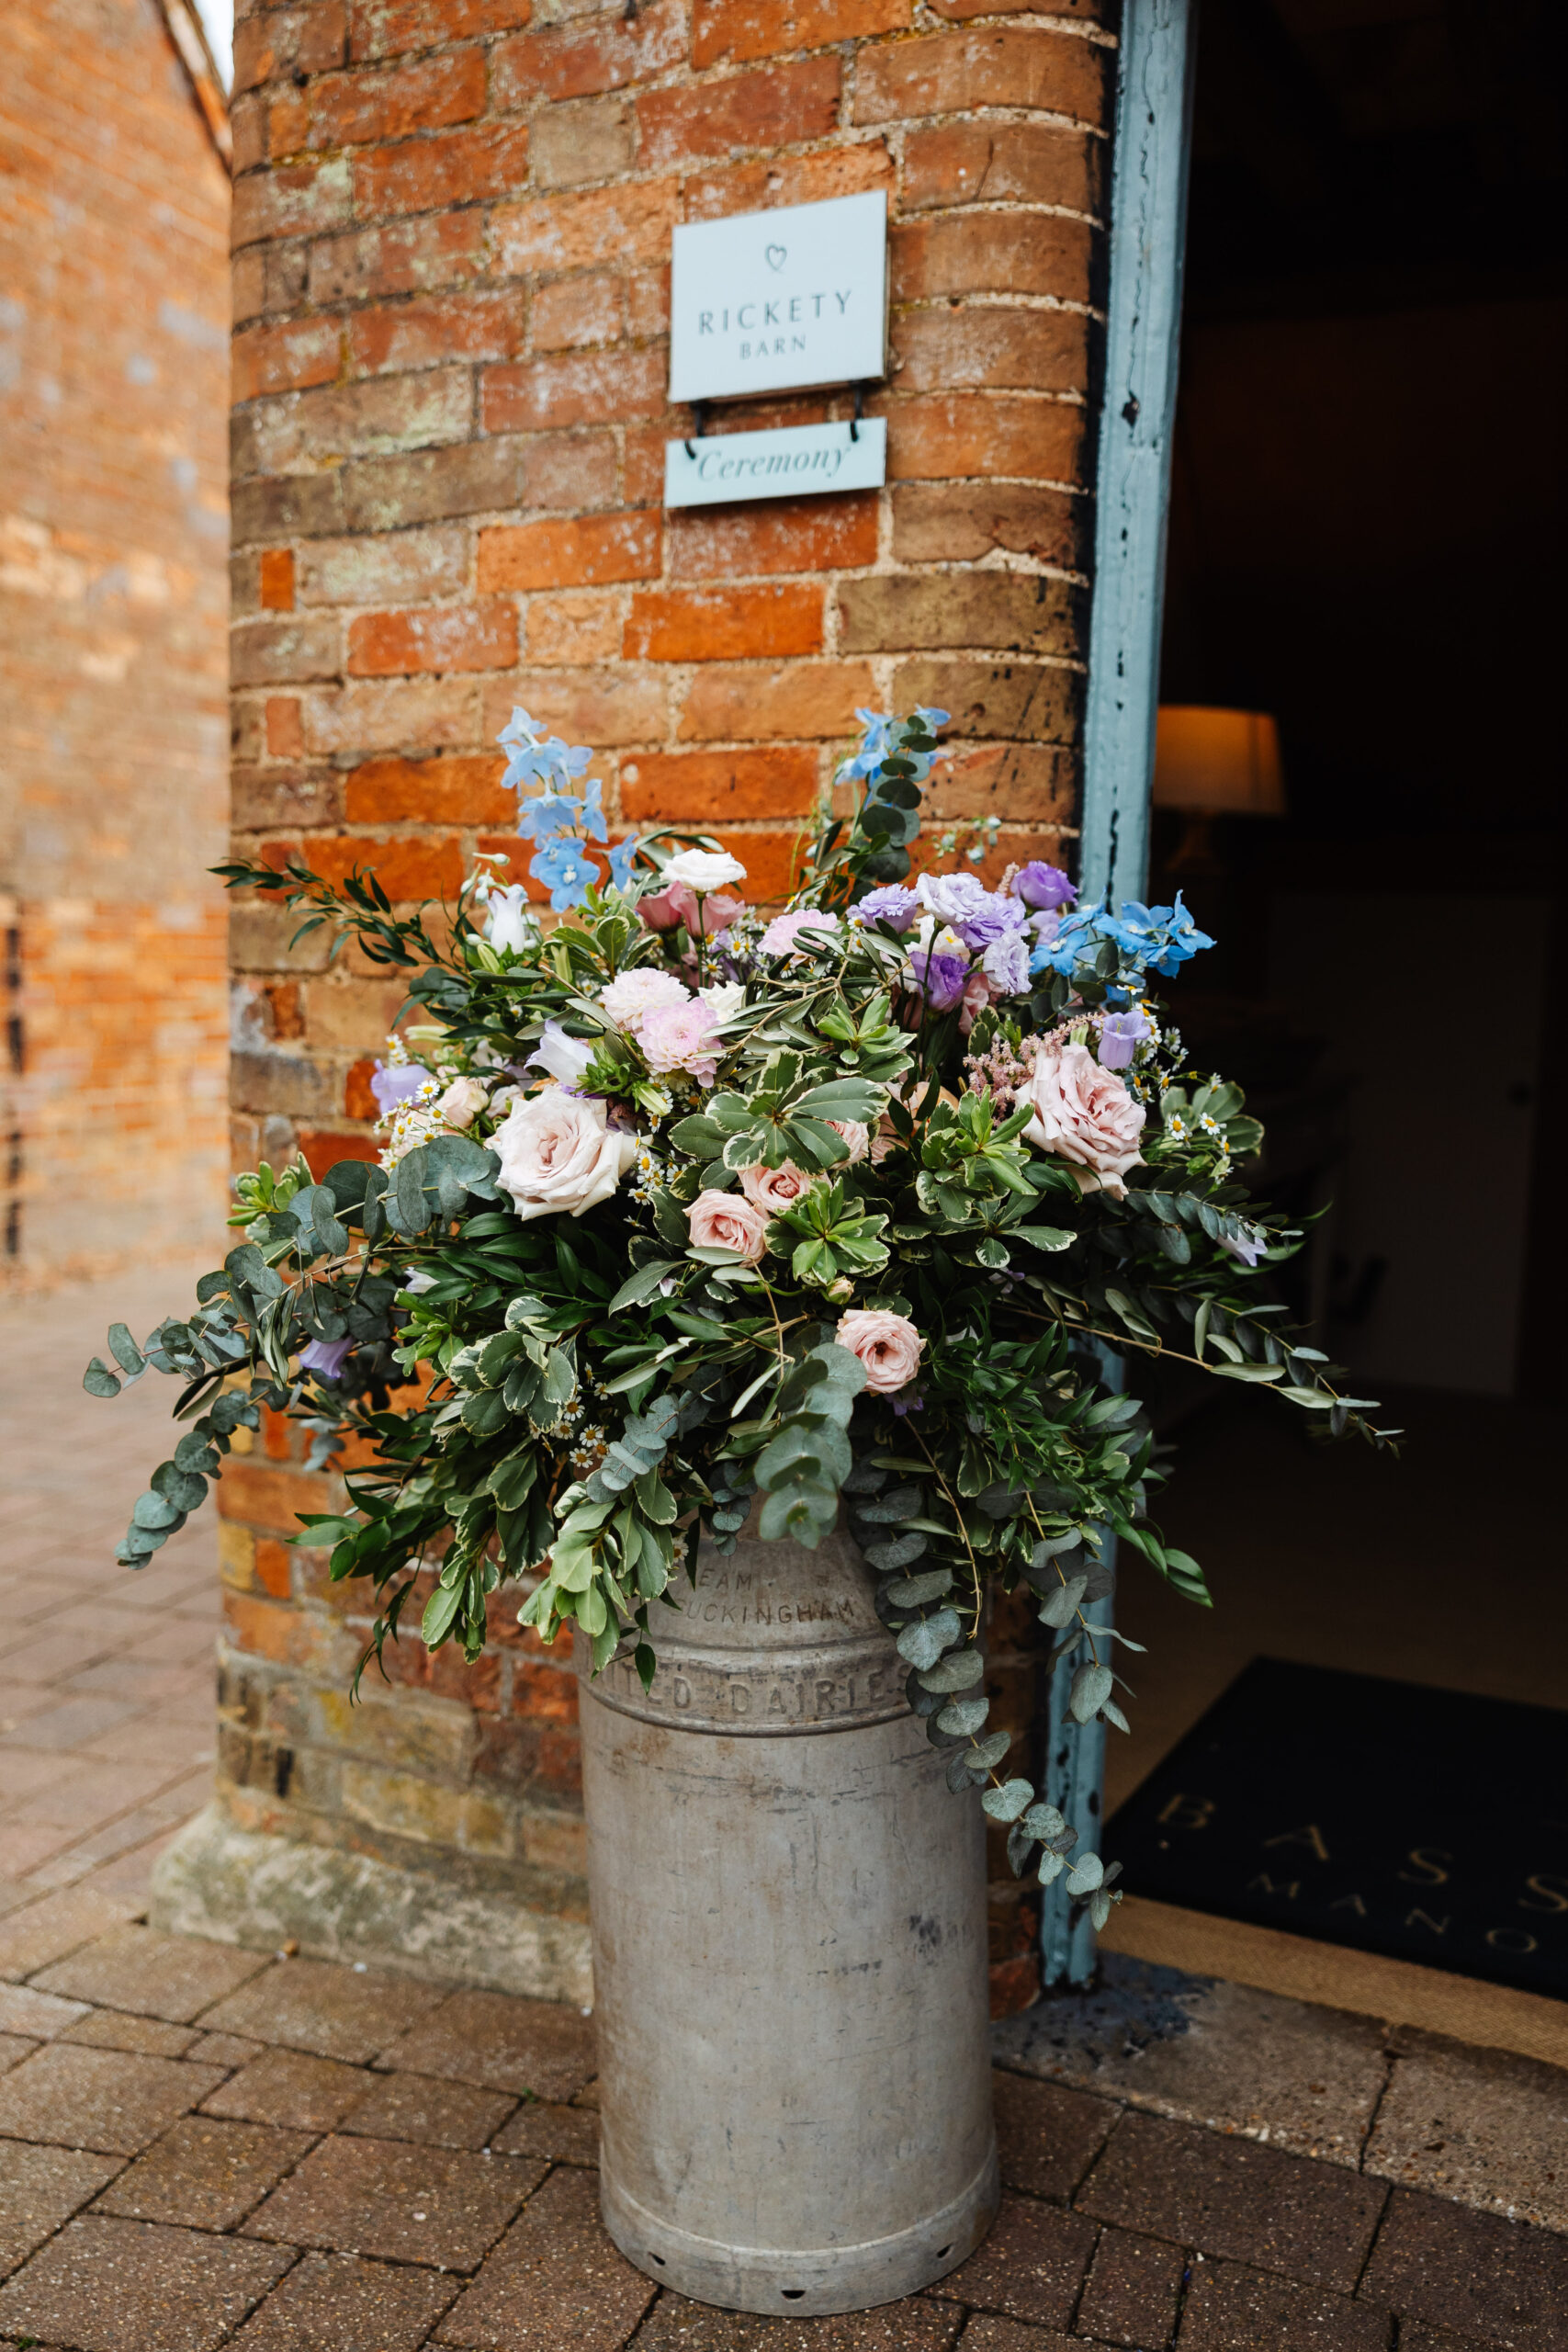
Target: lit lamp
[1213,763]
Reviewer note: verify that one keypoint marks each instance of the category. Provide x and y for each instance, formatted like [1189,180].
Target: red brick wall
[114,214]
[452,228]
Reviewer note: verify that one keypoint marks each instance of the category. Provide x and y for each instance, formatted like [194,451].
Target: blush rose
[1083,1112]
[559,1153]
[718,1221]
[888,1344]
[772,1189]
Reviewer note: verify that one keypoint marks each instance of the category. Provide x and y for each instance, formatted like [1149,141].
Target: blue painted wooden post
[1148,217]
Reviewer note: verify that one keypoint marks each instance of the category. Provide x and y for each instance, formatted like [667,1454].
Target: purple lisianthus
[940,977]
[1005,964]
[325,1356]
[994,918]
[1120,1037]
[395,1083]
[1043,887]
[892,904]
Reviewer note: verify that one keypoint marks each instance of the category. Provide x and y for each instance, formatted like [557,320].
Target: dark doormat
[1426,1824]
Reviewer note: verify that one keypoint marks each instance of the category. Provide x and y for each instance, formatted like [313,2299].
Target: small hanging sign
[785,463]
[769,301]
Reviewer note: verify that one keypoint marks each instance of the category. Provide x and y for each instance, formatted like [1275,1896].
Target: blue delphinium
[1159,939]
[569,874]
[554,818]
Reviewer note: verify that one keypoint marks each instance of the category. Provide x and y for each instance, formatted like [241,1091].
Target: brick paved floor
[200,2146]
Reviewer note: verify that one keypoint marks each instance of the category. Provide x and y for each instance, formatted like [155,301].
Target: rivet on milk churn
[789,1939]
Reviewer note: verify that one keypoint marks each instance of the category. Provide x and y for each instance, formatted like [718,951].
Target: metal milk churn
[789,1949]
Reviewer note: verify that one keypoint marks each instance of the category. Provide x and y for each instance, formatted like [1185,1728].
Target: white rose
[559,1155]
[462,1103]
[704,869]
[724,998]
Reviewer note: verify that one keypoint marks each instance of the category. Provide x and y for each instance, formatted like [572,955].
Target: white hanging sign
[770,301]
[782,464]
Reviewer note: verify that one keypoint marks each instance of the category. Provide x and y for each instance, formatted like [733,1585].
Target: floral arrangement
[683,1211]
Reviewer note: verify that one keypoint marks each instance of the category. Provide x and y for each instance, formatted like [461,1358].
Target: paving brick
[555,2278]
[204,2171]
[914,2326]
[435,2114]
[1028,701]
[1476,2272]
[963,522]
[733,31]
[40,2189]
[287,2087]
[1481,2125]
[566,63]
[13,2050]
[1229,2309]
[564,2135]
[587,552]
[331,2302]
[110,2030]
[1233,2197]
[1009,66]
[501,2042]
[719,786]
[786,534]
[161,1976]
[815,698]
[778,106]
[1031,2266]
[115,2101]
[38,2014]
[999,162]
[112,2286]
[1047,2139]
[432,2205]
[1132,2292]
[331,2011]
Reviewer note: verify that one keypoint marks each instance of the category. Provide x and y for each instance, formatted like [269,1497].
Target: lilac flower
[561,1057]
[994,918]
[325,1356]
[1043,887]
[952,896]
[398,1083]
[1120,1037]
[568,874]
[1005,964]
[940,977]
[892,904]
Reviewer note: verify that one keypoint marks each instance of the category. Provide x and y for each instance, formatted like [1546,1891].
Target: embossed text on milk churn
[768,1822]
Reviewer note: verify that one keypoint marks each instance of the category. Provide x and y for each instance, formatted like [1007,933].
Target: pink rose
[682,1037]
[718,1221]
[677,903]
[888,1345]
[559,1154]
[1084,1114]
[772,1189]
[856,1135]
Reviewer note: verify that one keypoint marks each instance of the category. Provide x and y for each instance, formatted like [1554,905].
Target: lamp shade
[1218,762]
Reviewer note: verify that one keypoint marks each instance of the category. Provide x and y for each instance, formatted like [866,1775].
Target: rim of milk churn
[789,1946]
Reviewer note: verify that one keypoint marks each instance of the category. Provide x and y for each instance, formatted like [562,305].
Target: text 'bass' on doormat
[1426,1824]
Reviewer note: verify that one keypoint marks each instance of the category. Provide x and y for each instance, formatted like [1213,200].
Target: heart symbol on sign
[777,255]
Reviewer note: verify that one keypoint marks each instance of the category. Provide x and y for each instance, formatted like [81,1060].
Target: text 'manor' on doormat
[1426,1824]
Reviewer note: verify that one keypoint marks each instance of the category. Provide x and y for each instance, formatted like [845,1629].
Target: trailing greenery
[862,1214]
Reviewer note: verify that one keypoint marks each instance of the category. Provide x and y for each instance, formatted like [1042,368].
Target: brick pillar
[452,233]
